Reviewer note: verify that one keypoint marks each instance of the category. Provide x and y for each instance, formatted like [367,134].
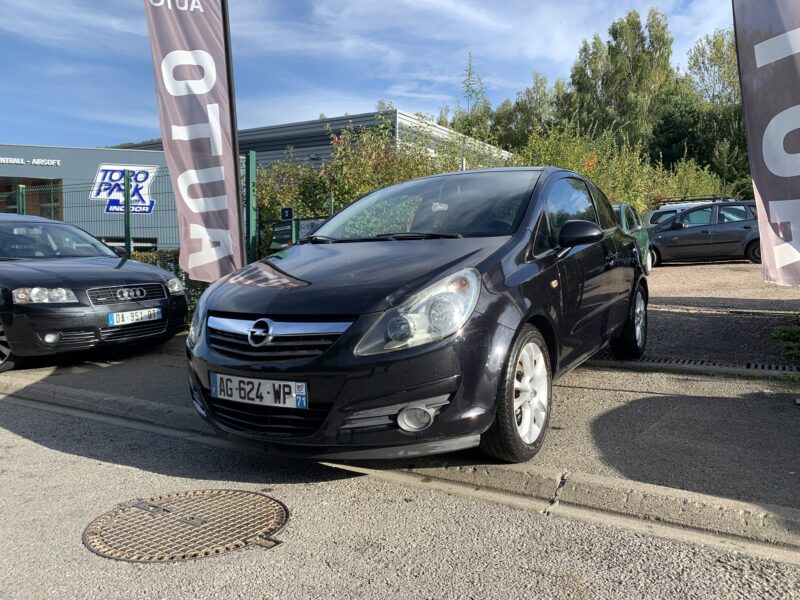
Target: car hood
[345,279]
[77,272]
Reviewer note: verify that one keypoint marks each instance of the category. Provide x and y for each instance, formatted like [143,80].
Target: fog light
[415,418]
[51,338]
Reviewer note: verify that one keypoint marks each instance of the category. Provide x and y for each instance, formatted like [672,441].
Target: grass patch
[789,337]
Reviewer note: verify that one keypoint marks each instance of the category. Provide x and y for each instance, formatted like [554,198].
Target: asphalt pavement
[348,536]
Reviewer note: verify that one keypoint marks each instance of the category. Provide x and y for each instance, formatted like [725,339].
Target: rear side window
[607,215]
[569,200]
[753,210]
[734,212]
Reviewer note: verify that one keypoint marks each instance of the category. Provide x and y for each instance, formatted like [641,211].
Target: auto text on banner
[768,45]
[189,41]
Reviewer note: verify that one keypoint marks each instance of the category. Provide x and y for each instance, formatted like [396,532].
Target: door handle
[748,227]
[704,231]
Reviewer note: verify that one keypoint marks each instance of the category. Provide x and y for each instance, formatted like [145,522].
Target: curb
[710,514]
[702,369]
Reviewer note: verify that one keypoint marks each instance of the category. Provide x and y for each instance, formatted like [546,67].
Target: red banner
[191,58]
[768,46]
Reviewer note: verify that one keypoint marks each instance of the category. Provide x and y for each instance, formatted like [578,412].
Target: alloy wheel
[5,348]
[640,318]
[530,393]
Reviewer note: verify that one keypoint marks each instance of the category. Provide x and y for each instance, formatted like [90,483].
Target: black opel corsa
[426,317]
[62,290]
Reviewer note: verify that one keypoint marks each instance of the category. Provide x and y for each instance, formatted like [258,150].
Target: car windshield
[48,240]
[463,205]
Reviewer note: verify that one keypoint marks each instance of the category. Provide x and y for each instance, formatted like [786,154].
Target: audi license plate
[133,316]
[288,394]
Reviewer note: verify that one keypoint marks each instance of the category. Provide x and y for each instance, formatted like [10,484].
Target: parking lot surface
[725,446]
[348,536]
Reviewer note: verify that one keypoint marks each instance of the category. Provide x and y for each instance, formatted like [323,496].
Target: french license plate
[133,316]
[288,394]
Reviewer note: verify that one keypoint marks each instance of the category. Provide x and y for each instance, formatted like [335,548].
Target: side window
[733,213]
[607,215]
[697,218]
[632,218]
[661,216]
[543,237]
[569,200]
[754,210]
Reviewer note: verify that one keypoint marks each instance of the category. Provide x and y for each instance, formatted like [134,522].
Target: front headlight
[175,286]
[430,315]
[41,295]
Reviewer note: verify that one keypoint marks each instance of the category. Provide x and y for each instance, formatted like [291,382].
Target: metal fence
[100,210]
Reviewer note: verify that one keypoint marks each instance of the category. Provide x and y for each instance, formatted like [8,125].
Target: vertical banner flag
[768,46]
[194,89]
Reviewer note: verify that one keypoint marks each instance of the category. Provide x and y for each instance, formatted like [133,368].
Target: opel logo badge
[260,333]
[131,293]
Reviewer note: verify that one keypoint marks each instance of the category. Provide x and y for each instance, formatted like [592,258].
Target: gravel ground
[347,537]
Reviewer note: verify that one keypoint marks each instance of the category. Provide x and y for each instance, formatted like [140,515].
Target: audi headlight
[175,286]
[432,314]
[41,295]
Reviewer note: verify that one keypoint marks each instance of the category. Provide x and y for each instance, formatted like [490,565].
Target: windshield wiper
[11,258]
[417,235]
[318,239]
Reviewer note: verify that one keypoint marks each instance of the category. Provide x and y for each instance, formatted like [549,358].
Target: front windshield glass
[463,205]
[48,240]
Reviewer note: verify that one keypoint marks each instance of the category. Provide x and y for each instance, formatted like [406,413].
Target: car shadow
[728,304]
[678,442]
[150,451]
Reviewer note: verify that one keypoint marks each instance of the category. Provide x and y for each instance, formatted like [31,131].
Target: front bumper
[84,326]
[345,392]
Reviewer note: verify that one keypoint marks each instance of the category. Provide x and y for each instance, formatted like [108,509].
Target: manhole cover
[186,525]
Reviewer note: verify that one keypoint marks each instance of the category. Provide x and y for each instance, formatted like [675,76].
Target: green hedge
[168,260]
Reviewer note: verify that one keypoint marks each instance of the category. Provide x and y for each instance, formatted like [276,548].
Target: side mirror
[576,233]
[676,225]
[120,251]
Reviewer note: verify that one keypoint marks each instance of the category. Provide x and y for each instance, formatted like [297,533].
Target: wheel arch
[548,331]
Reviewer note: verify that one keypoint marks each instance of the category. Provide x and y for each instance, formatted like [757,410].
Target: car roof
[25,218]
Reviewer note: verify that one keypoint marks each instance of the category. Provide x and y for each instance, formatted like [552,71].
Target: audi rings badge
[128,294]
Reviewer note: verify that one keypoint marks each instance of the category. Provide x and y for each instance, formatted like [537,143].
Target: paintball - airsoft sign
[190,45]
[109,185]
[768,45]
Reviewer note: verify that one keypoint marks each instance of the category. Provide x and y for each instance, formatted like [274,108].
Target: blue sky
[79,72]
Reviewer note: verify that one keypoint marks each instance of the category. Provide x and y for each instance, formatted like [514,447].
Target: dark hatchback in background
[426,317]
[717,230]
[62,290]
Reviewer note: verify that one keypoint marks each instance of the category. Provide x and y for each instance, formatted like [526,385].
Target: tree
[534,109]
[474,121]
[713,68]
[619,85]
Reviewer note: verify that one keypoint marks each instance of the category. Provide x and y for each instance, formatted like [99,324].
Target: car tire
[7,359]
[648,263]
[631,342]
[655,259]
[524,401]
[753,252]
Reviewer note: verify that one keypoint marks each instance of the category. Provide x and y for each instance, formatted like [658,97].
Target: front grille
[78,339]
[132,332]
[271,421]
[108,295]
[282,347]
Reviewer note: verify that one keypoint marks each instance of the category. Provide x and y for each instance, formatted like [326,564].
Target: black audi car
[427,316]
[62,290]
